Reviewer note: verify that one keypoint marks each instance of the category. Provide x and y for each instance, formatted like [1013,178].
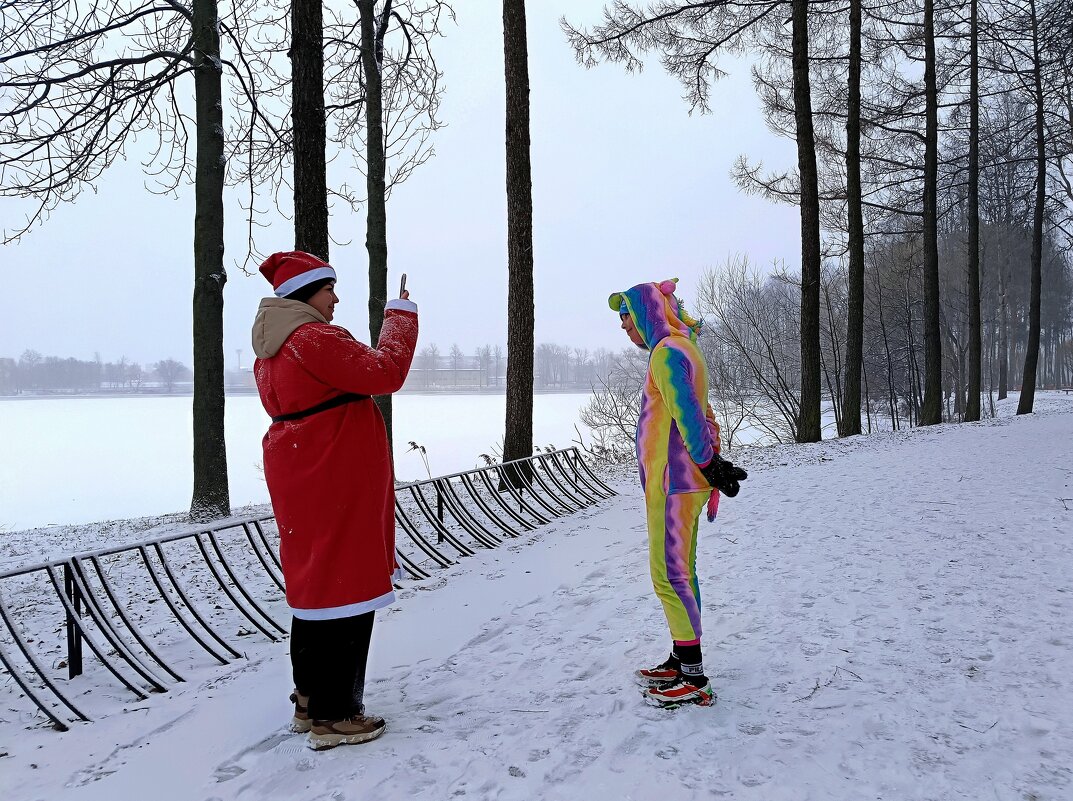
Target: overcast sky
[627,187]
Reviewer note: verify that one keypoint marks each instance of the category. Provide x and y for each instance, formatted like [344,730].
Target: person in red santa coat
[329,474]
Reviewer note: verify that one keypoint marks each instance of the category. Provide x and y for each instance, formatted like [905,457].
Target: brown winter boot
[301,722]
[358,729]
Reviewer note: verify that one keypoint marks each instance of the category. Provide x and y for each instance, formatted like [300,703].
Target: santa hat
[288,272]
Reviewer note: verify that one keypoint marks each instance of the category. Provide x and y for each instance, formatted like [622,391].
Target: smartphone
[402,285]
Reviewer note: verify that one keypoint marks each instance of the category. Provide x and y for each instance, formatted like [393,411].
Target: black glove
[723,475]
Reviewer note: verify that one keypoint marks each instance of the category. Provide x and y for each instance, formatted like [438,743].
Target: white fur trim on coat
[402,305]
[350,610]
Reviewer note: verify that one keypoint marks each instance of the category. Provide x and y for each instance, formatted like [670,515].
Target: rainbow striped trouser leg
[672,554]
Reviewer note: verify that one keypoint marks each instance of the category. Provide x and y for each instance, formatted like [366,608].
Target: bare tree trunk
[991,368]
[832,381]
[867,399]
[972,406]
[808,422]
[307,115]
[1004,338]
[518,438]
[892,394]
[913,362]
[373,28]
[851,395]
[932,409]
[210,496]
[1028,381]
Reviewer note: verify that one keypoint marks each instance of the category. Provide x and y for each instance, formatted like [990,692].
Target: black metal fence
[137,607]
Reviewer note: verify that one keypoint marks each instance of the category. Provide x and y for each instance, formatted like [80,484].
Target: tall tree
[932,410]
[373,30]
[851,394]
[397,96]
[211,497]
[808,426]
[310,128]
[518,436]
[972,405]
[1028,379]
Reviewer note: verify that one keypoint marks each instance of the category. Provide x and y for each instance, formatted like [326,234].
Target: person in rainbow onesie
[681,472]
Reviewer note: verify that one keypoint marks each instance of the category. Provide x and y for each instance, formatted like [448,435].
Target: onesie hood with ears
[656,312]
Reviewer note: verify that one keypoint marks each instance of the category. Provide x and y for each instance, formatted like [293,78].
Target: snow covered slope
[886,618]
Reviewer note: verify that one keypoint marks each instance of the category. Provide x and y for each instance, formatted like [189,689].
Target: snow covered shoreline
[887,617]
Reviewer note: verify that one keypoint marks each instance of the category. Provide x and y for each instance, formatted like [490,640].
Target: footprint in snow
[751,728]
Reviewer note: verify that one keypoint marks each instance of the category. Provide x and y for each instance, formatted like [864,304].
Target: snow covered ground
[886,618]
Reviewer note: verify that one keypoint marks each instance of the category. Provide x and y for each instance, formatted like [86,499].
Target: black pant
[328,658]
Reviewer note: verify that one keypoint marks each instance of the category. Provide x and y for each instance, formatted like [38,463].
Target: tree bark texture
[1004,339]
[307,115]
[932,409]
[1028,379]
[518,436]
[808,427]
[972,405]
[210,493]
[851,395]
[373,29]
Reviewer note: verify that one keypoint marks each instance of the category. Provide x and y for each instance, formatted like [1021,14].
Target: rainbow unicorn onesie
[676,435]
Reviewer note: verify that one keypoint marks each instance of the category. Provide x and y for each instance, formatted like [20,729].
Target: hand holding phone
[402,288]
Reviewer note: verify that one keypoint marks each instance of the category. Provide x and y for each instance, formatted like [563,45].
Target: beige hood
[277,318]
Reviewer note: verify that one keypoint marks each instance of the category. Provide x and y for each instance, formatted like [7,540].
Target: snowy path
[885,619]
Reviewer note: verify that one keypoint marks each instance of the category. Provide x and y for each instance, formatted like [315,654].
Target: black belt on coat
[331,403]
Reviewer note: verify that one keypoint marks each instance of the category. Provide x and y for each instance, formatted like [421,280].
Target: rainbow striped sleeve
[673,374]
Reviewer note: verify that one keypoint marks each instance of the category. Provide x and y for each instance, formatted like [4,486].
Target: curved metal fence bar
[403,519]
[568,488]
[57,722]
[554,500]
[574,465]
[271,572]
[464,516]
[547,500]
[514,514]
[443,534]
[240,585]
[478,508]
[190,604]
[571,480]
[235,602]
[584,467]
[564,494]
[41,673]
[100,618]
[179,616]
[134,630]
[484,506]
[550,498]
[516,494]
[267,545]
[416,573]
[88,637]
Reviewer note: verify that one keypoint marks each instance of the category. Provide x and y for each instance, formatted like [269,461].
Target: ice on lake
[77,460]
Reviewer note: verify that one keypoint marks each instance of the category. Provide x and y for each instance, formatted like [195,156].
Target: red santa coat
[329,474]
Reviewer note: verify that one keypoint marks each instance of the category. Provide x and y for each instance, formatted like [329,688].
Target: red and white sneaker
[660,674]
[674,694]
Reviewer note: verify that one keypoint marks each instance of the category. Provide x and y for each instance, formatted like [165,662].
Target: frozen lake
[79,460]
